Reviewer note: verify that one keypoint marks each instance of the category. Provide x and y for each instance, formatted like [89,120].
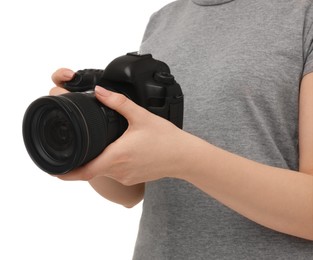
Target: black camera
[64,132]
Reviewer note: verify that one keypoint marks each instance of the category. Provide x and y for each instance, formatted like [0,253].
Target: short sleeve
[150,27]
[308,43]
[158,21]
[308,58]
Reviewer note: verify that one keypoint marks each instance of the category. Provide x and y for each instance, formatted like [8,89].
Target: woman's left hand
[151,148]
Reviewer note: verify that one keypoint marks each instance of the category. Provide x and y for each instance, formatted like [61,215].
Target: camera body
[64,132]
[146,81]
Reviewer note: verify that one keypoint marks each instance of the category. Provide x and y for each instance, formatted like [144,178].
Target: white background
[42,217]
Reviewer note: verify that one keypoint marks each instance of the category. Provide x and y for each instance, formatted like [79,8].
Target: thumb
[120,103]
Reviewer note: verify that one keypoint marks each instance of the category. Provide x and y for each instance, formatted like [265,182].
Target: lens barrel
[64,132]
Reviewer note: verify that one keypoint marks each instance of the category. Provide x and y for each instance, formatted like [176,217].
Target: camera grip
[84,80]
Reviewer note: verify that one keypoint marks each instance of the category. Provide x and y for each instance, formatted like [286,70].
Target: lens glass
[56,135]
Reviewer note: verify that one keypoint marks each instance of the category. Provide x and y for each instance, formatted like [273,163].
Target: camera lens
[64,132]
[56,135]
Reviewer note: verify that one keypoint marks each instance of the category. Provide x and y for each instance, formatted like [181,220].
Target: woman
[237,183]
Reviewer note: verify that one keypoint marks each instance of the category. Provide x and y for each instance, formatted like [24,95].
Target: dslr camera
[64,132]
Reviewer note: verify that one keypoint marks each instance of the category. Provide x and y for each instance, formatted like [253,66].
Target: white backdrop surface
[42,217]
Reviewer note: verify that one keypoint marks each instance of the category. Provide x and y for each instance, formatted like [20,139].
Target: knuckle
[120,100]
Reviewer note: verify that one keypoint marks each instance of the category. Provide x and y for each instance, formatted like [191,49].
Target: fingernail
[102,91]
[68,74]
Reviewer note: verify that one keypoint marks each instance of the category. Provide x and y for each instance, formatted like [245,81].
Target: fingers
[57,91]
[59,77]
[82,174]
[87,171]
[62,75]
[121,104]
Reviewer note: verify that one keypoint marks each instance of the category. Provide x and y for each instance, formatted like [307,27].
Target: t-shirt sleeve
[150,27]
[308,58]
[157,21]
[308,43]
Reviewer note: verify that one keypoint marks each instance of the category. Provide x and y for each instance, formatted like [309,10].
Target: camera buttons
[164,78]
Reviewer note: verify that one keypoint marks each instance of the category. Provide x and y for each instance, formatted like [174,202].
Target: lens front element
[64,132]
[56,135]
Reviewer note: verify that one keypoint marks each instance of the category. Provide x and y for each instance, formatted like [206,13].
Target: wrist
[194,157]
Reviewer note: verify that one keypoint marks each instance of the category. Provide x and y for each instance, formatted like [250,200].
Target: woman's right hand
[105,186]
[59,77]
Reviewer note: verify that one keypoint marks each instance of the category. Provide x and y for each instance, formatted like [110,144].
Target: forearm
[276,198]
[116,192]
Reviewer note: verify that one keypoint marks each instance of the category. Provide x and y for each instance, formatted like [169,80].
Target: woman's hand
[150,149]
[59,77]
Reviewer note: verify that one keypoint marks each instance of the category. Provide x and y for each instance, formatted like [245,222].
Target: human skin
[154,148]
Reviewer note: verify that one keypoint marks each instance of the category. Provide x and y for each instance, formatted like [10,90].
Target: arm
[279,199]
[276,198]
[306,125]
[128,196]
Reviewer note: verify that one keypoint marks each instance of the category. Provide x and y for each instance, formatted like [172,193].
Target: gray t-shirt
[240,64]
